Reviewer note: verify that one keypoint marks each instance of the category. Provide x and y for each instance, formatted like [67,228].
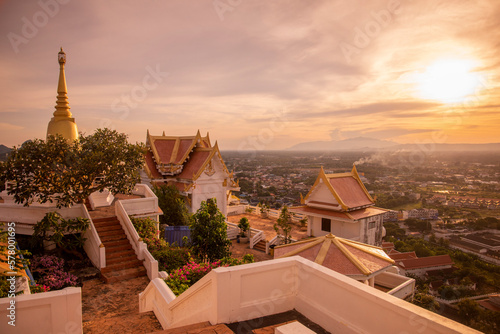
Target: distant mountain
[358,143]
[450,147]
[4,150]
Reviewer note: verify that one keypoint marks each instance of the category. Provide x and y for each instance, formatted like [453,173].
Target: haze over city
[274,73]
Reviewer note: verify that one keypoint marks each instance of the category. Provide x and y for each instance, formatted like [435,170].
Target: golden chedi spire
[62,123]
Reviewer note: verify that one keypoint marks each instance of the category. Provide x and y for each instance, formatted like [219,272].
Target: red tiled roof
[322,212]
[164,147]
[345,261]
[193,165]
[350,191]
[351,215]
[184,146]
[367,212]
[151,166]
[403,256]
[426,262]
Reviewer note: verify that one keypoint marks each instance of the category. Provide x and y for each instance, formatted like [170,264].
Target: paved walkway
[114,307]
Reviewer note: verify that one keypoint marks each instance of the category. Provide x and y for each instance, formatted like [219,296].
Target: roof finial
[62,105]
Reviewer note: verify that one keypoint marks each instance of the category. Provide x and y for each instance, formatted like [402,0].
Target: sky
[255,74]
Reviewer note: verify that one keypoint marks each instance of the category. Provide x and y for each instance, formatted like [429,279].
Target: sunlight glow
[448,81]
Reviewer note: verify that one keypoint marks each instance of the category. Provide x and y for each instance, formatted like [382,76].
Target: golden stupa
[62,123]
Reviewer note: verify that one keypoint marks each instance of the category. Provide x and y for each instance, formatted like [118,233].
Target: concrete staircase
[121,261]
[261,245]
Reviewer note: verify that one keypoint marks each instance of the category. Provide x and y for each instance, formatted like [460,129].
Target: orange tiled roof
[426,262]
[346,188]
[196,161]
[403,256]
[350,191]
[151,166]
[345,256]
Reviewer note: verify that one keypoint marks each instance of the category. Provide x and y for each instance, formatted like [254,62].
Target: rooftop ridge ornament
[62,104]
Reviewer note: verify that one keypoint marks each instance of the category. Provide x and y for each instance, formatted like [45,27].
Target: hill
[4,151]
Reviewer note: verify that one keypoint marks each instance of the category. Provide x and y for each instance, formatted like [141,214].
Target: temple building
[365,263]
[340,204]
[62,123]
[193,165]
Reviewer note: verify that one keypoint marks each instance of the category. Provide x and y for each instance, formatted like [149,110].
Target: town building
[193,165]
[340,204]
[420,266]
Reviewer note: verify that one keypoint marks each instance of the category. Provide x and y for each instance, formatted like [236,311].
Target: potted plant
[244,227]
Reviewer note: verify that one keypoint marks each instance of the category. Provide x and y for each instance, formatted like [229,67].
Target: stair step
[106,224]
[106,219]
[184,329]
[114,243]
[122,265]
[202,327]
[118,248]
[106,228]
[103,234]
[124,274]
[114,237]
[120,253]
[116,260]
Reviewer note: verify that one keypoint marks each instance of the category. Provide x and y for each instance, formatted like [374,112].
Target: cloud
[7,126]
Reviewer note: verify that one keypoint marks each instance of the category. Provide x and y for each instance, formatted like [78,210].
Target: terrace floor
[266,225]
[114,307]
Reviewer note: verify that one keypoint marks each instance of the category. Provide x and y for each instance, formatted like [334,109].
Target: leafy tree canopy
[67,234]
[171,202]
[282,225]
[68,172]
[209,232]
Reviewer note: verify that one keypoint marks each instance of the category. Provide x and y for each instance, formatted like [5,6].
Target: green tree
[468,310]
[171,202]
[209,232]
[282,225]
[67,234]
[65,172]
[244,226]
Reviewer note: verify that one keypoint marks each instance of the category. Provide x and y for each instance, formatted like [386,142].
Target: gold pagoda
[62,123]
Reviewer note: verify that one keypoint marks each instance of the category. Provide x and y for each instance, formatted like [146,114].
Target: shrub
[244,226]
[50,272]
[171,258]
[181,279]
[145,227]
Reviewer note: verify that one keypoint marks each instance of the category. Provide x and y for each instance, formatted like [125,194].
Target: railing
[138,245]
[232,230]
[236,209]
[453,301]
[93,246]
[146,206]
[57,311]
[27,217]
[401,286]
[273,242]
[101,198]
[256,290]
[255,238]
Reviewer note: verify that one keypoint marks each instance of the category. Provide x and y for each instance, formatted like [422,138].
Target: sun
[448,81]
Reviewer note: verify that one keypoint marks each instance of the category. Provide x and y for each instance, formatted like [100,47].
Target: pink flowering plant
[181,279]
[50,274]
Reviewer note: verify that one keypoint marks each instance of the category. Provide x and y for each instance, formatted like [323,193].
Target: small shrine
[193,165]
[340,204]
